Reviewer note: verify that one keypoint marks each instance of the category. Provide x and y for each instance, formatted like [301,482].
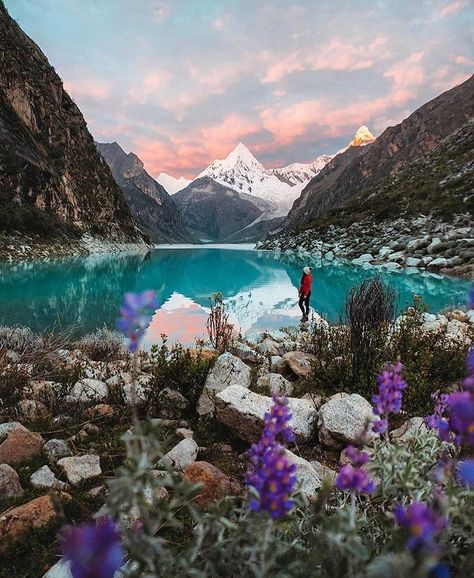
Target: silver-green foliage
[335,536]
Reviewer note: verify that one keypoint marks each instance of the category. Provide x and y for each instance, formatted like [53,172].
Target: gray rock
[433,246]
[412,262]
[44,479]
[323,471]
[397,257]
[10,487]
[269,347]
[309,479]
[244,352]
[300,363]
[277,364]
[409,431]
[33,410]
[384,251]
[227,370]
[89,390]
[277,335]
[55,449]
[182,455]
[132,389]
[79,469]
[438,263]
[274,383]
[243,411]
[6,428]
[254,338]
[416,244]
[172,404]
[342,421]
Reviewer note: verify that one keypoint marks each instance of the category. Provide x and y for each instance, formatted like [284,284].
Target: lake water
[259,287]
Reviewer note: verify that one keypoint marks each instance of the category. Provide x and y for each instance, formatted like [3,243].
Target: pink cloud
[408,72]
[445,78]
[218,77]
[334,55]
[191,153]
[221,22]
[453,7]
[462,60]
[88,88]
[150,86]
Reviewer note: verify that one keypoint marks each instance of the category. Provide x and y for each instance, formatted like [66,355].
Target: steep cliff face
[360,169]
[150,204]
[52,179]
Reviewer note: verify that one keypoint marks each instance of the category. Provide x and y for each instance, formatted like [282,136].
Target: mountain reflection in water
[259,287]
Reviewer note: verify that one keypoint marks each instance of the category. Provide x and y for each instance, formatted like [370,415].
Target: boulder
[323,471]
[20,445]
[216,485]
[243,411]
[458,331]
[342,421]
[33,410]
[277,365]
[44,479]
[6,428]
[439,322]
[412,262]
[132,389]
[276,335]
[274,383]
[384,251]
[172,404]
[254,338]
[55,449]
[420,243]
[309,480]
[181,455]
[228,370]
[300,363]
[269,347]
[438,263]
[19,522]
[10,487]
[80,469]
[457,315]
[433,247]
[244,352]
[86,390]
[409,431]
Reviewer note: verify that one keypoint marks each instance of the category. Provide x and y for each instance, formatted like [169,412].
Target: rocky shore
[421,243]
[60,437]
[17,248]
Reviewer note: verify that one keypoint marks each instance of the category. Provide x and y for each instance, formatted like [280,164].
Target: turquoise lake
[259,287]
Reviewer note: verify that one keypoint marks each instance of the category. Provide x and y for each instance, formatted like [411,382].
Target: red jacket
[305,288]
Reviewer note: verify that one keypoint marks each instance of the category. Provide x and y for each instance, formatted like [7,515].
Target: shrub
[218,327]
[19,339]
[102,345]
[179,369]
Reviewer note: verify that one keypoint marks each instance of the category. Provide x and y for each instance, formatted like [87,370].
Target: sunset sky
[181,82]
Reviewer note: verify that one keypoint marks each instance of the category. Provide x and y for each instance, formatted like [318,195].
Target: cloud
[88,88]
[160,11]
[149,86]
[462,60]
[333,55]
[221,22]
[408,72]
[453,7]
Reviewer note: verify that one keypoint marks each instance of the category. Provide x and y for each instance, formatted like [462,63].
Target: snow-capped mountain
[298,175]
[362,137]
[241,171]
[172,184]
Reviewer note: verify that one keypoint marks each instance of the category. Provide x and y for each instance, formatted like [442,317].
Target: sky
[182,82]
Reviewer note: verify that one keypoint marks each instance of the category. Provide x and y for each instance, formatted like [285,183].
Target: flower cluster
[389,398]
[353,476]
[135,316]
[271,475]
[422,523]
[441,403]
[93,550]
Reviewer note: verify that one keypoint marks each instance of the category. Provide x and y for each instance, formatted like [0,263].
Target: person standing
[305,292]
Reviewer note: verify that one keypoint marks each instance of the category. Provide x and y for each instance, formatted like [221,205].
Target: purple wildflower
[135,316]
[271,474]
[389,398]
[354,479]
[422,523]
[93,550]
[466,472]
[461,417]
[441,403]
[352,476]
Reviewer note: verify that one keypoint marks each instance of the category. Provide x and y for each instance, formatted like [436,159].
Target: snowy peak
[299,174]
[362,137]
[172,184]
[241,154]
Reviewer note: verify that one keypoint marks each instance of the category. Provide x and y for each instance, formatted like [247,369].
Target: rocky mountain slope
[53,181]
[359,169]
[217,212]
[299,174]
[150,204]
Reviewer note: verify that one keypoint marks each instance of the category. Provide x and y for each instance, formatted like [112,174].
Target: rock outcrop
[54,182]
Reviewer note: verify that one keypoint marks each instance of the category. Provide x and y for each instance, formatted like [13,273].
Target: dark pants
[304,303]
